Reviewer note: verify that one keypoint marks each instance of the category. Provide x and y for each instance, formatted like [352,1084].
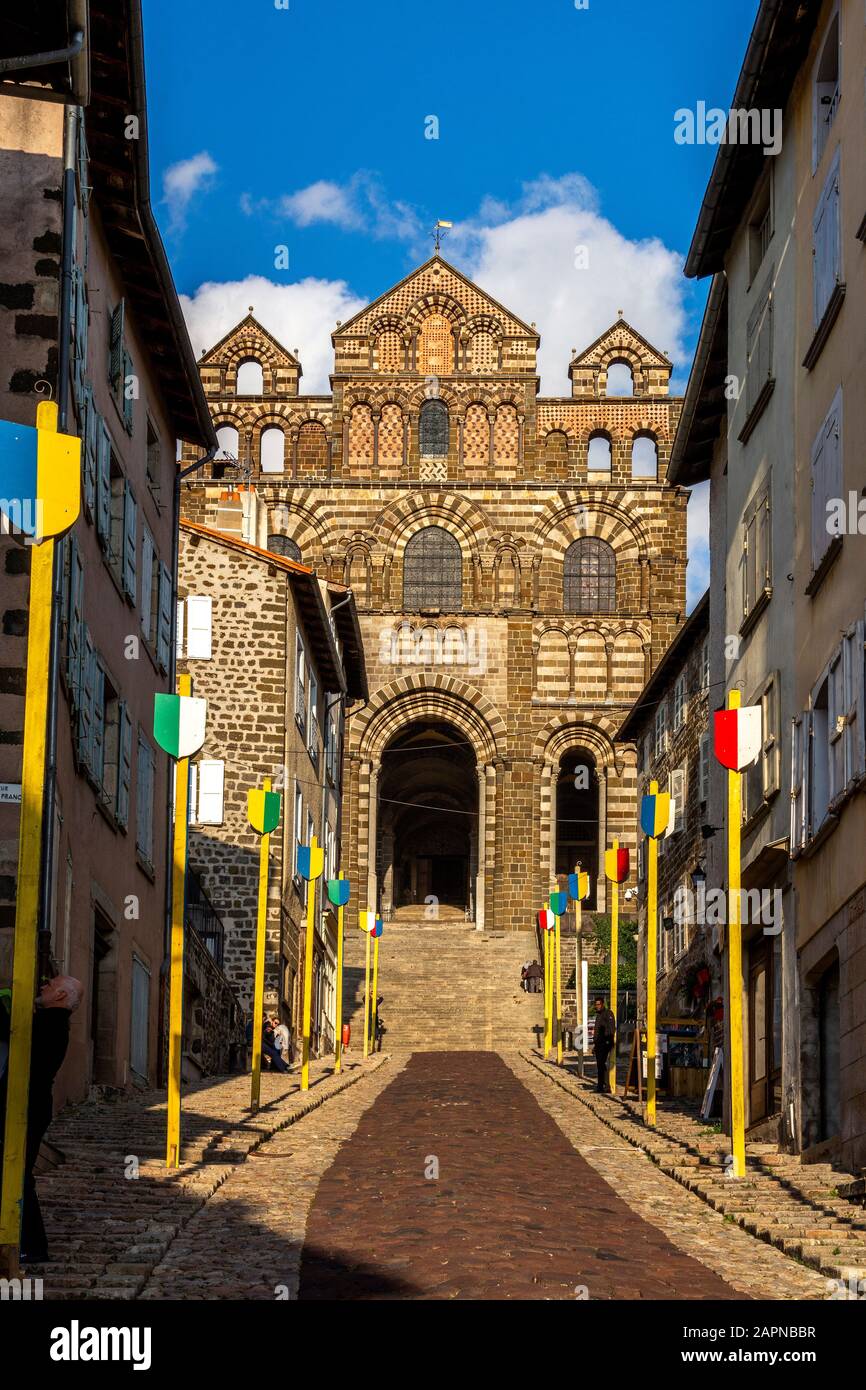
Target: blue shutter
[165,602]
[146,586]
[103,487]
[74,622]
[92,429]
[115,349]
[97,721]
[130,529]
[79,354]
[124,763]
[85,702]
[128,400]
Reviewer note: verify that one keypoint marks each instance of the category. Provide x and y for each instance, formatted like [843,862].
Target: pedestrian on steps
[604,1038]
[534,976]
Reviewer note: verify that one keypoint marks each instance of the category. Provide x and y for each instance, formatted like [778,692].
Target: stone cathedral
[518,563]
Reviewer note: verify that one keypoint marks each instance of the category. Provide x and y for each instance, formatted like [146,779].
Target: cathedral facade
[518,564]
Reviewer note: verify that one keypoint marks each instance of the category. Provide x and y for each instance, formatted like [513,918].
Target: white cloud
[359,205]
[556,261]
[698,521]
[182,181]
[300,315]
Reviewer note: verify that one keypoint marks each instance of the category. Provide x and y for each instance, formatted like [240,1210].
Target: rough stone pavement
[112,1208]
[516,1212]
[747,1264]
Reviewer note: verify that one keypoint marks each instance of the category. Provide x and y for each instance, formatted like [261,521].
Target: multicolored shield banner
[656,811]
[578,885]
[41,475]
[338,891]
[737,736]
[559,903]
[311,860]
[616,865]
[367,921]
[378,927]
[546,919]
[179,723]
[263,810]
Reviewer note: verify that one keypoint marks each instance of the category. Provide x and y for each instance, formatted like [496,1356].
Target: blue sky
[304,128]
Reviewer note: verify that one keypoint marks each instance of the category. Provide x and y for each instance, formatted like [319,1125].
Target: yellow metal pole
[367,995]
[548,991]
[614,970]
[175,995]
[735,967]
[338,1043]
[651,951]
[558,983]
[375,1008]
[27,900]
[308,982]
[259,986]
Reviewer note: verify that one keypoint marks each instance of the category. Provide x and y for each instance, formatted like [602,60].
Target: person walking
[604,1038]
[534,976]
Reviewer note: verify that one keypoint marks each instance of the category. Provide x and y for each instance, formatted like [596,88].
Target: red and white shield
[737,736]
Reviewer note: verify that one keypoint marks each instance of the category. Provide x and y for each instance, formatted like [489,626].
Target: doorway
[764,1028]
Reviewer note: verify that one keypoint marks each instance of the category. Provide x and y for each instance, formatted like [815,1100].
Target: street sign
[737,736]
[179,723]
[10,793]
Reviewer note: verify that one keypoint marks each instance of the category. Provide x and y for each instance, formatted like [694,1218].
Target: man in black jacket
[603,1040]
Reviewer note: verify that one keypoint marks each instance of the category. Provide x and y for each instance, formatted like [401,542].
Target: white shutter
[826,479]
[798,749]
[199,620]
[827,271]
[192,814]
[704,768]
[677,786]
[179,631]
[211,781]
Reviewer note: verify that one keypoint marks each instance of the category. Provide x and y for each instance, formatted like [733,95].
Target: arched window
[485,353]
[432,572]
[620,381]
[599,456]
[227,438]
[273,450]
[589,577]
[389,351]
[433,430]
[644,457]
[435,346]
[251,380]
[282,545]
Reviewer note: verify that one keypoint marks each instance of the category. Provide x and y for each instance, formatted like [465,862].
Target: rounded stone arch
[360,395]
[485,323]
[435,302]
[564,522]
[416,397]
[630,359]
[251,348]
[307,522]
[563,732]
[464,519]
[432,696]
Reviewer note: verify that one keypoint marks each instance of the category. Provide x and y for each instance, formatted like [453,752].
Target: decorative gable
[650,369]
[249,341]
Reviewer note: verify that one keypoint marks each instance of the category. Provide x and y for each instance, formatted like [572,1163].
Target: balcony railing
[201,915]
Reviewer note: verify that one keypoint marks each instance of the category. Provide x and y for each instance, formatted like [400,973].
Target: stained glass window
[282,545]
[432,572]
[589,577]
[433,430]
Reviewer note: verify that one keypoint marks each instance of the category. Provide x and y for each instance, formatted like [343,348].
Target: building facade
[669,725]
[277,656]
[518,564]
[90,316]
[779,354]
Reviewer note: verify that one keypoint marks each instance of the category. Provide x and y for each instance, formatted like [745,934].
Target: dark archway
[428,817]
[577,809]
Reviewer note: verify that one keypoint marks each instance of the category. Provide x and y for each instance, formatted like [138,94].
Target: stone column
[491,420]
[520,428]
[647,661]
[460,421]
[480,855]
[375,416]
[294,442]
[608,654]
[572,670]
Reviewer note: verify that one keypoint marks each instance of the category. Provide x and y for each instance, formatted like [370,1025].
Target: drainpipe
[45,60]
[49,801]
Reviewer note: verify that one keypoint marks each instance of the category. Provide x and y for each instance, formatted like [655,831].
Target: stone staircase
[445,986]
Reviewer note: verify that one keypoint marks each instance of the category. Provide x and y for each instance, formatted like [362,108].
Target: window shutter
[192,815]
[92,432]
[127,371]
[97,721]
[165,602]
[199,620]
[115,348]
[759,347]
[79,355]
[825,244]
[678,795]
[147,558]
[103,486]
[704,768]
[75,623]
[130,532]
[833,457]
[124,764]
[211,779]
[855,743]
[144,799]
[178,633]
[85,704]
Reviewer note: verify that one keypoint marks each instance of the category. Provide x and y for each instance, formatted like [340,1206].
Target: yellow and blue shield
[41,475]
[311,860]
[578,885]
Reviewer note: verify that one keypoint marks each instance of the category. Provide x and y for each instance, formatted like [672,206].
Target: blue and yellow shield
[655,814]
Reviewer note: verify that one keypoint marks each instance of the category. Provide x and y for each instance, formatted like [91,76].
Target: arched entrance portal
[577,817]
[427,843]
